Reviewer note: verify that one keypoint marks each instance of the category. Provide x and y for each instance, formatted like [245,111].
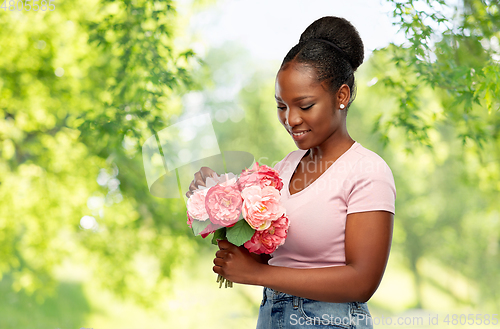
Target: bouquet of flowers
[245,210]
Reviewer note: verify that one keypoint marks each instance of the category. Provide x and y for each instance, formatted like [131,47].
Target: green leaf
[240,233]
[219,234]
[198,226]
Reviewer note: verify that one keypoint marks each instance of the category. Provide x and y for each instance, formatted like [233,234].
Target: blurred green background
[83,86]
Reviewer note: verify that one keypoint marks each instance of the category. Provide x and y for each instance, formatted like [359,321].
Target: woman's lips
[301,135]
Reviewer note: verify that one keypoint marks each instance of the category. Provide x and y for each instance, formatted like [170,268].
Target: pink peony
[269,177]
[262,175]
[266,241]
[261,206]
[248,179]
[223,203]
[196,205]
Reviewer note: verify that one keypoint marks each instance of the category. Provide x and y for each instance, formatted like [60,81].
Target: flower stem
[221,280]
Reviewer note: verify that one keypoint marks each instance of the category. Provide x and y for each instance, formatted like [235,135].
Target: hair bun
[341,33]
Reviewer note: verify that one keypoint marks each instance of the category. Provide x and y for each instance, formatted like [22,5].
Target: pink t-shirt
[359,180]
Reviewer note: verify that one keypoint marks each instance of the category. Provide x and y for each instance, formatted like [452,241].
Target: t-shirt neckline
[296,163]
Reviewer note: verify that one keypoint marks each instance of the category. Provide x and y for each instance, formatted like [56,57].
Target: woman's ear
[343,96]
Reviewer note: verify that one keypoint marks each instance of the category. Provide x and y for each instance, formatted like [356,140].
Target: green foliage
[66,308]
[240,233]
[199,226]
[437,112]
[219,234]
[80,91]
[446,207]
[142,69]
[453,50]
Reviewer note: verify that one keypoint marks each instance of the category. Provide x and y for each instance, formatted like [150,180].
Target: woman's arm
[262,258]
[368,239]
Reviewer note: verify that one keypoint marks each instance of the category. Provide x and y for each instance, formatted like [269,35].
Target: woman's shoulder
[370,184]
[366,155]
[368,162]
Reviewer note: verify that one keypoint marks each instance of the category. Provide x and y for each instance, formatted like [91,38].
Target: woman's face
[307,105]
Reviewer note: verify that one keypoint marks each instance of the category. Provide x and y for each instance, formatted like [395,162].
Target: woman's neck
[330,150]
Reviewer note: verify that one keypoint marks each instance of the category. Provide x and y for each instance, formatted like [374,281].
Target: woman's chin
[302,146]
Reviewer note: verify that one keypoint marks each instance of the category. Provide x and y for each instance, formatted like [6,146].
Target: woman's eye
[307,108]
[282,107]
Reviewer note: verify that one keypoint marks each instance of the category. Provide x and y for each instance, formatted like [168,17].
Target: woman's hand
[236,264]
[200,178]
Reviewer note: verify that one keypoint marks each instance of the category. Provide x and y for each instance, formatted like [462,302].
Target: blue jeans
[283,311]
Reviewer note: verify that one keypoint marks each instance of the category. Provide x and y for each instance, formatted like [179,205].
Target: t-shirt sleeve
[371,187]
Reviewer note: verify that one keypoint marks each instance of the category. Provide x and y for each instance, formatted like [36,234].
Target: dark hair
[334,62]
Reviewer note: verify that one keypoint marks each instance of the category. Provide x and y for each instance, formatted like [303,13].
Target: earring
[342,106]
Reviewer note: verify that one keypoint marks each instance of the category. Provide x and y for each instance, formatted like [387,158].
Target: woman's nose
[293,118]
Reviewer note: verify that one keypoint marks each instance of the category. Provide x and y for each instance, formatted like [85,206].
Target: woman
[339,196]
